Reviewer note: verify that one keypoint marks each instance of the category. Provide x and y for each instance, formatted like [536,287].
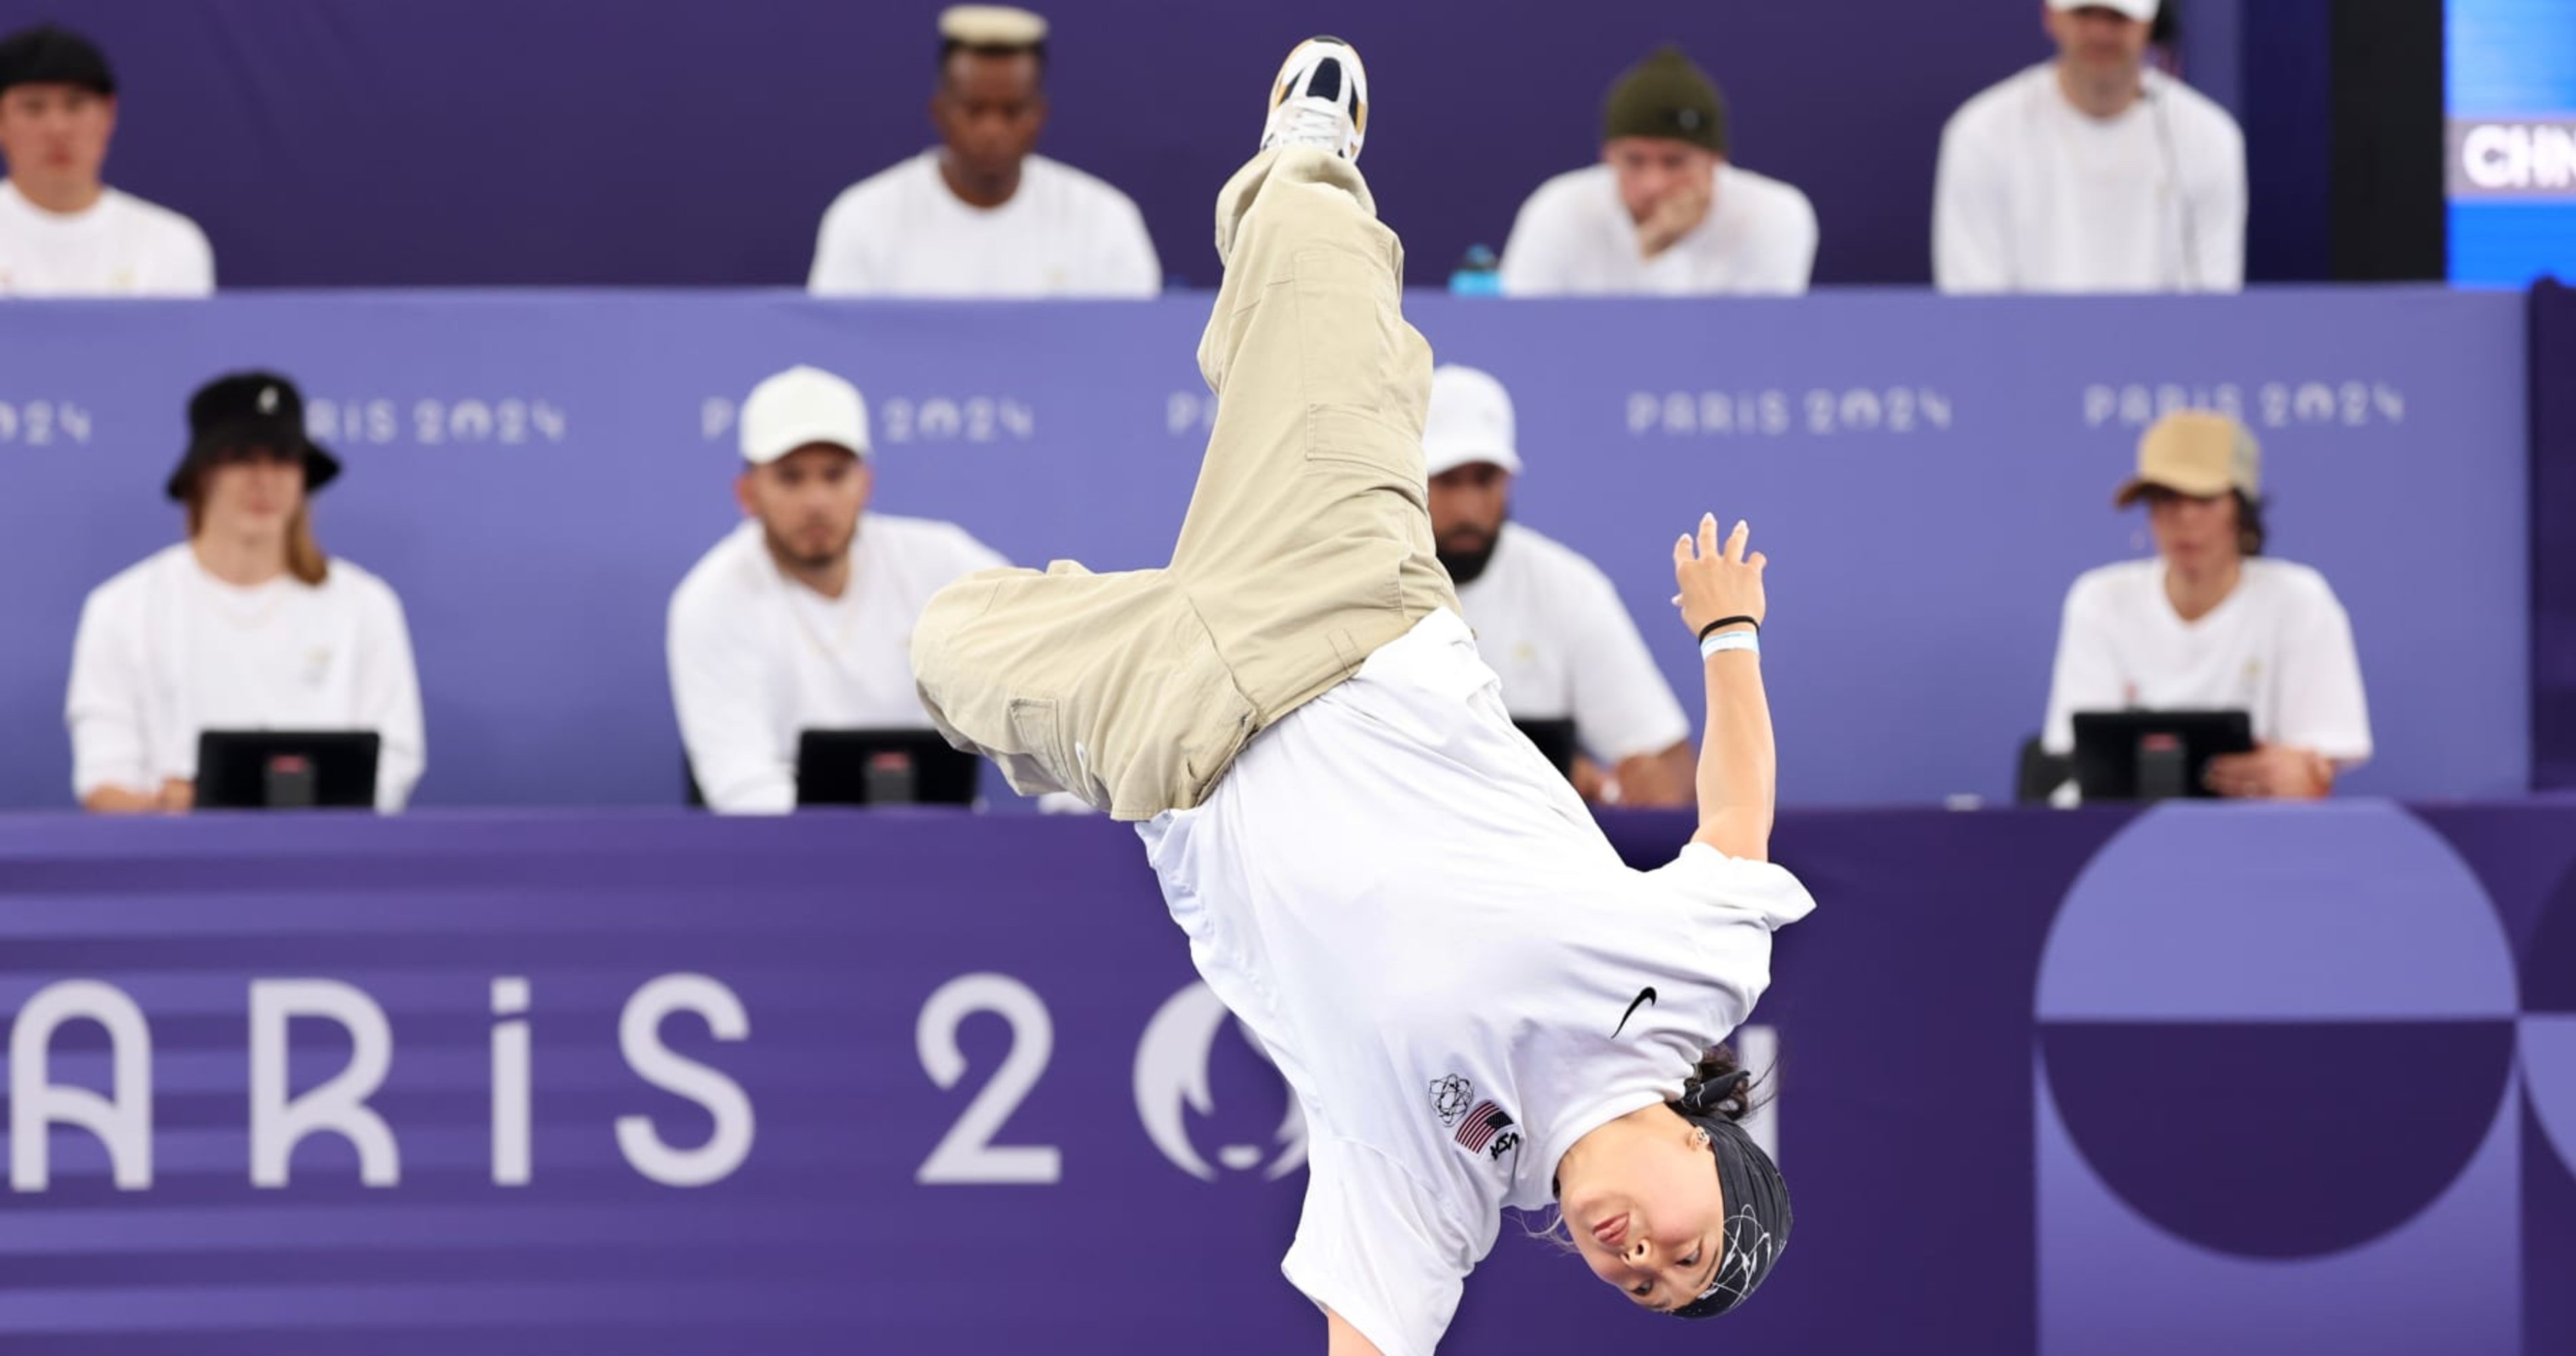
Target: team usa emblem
[1488,1130]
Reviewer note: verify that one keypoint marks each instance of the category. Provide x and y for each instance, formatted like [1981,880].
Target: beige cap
[1470,421]
[799,407]
[992,26]
[2196,452]
[2144,11]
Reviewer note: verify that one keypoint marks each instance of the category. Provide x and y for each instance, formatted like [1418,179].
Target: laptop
[2153,755]
[883,767]
[287,769]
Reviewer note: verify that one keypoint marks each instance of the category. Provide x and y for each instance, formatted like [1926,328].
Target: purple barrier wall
[2553,534]
[480,142]
[2026,1105]
[534,473]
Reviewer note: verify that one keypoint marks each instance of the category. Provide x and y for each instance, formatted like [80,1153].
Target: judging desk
[2245,1078]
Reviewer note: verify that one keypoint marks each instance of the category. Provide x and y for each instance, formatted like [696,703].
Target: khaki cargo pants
[1307,545]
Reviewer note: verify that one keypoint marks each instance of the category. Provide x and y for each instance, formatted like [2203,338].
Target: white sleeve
[388,699]
[1622,706]
[1128,266]
[1971,245]
[1377,1248]
[717,689]
[2322,706]
[841,263]
[1534,255]
[189,269]
[105,704]
[1755,892]
[2218,222]
[2087,673]
[1787,264]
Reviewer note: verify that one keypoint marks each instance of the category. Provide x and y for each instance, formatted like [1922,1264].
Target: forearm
[119,800]
[1738,765]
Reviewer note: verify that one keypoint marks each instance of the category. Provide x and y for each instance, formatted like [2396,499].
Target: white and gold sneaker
[1321,99]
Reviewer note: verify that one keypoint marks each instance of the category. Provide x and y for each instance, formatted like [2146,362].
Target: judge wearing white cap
[1547,621]
[2091,173]
[802,617]
[981,214]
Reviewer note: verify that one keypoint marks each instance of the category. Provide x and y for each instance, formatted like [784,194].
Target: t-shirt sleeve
[842,267]
[2086,676]
[1971,244]
[2219,224]
[105,704]
[1787,252]
[717,688]
[2322,706]
[1754,892]
[1128,266]
[1376,1248]
[186,266]
[388,698]
[1536,259]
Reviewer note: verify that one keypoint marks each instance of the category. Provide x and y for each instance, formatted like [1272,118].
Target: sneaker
[1321,99]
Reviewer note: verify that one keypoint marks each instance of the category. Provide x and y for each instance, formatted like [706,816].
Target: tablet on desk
[287,769]
[2153,755]
[882,767]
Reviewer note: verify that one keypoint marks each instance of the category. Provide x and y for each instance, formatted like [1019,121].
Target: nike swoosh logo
[1645,996]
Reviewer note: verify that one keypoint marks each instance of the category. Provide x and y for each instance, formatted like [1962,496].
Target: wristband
[1705,631]
[1732,640]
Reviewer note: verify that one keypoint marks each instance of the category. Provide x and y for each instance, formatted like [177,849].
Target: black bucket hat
[244,410]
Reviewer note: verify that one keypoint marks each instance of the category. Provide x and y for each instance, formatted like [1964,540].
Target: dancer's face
[1645,1208]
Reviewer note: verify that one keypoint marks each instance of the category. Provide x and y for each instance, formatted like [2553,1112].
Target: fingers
[1708,535]
[1757,560]
[1735,541]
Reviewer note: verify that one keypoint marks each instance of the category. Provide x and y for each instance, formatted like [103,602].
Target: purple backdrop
[2553,541]
[2028,1109]
[534,473]
[481,142]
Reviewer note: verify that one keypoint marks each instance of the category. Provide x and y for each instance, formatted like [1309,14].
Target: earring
[1701,1134]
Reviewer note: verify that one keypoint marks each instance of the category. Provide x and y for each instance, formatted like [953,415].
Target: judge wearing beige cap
[982,214]
[802,617]
[2210,622]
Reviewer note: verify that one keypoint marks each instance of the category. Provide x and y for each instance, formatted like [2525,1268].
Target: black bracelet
[1706,631]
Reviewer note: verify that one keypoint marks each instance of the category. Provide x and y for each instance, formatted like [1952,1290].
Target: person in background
[802,617]
[2091,173]
[1666,212]
[246,625]
[2210,622]
[982,214]
[63,231]
[1546,619]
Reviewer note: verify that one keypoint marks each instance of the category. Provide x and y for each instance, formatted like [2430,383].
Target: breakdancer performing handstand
[1476,1003]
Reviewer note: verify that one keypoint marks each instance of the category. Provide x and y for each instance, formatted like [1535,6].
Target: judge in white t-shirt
[2091,173]
[801,618]
[246,625]
[981,214]
[1667,212]
[1548,621]
[2212,623]
[63,231]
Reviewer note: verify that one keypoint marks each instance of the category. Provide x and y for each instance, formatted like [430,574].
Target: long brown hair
[304,557]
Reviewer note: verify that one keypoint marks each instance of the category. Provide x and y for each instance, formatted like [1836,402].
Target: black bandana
[1757,1201]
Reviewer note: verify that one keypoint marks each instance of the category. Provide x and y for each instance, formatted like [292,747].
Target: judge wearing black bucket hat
[245,625]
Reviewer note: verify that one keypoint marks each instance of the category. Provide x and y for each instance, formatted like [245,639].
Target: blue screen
[2510,75]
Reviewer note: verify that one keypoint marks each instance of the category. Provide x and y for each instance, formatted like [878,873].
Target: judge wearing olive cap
[245,625]
[1667,212]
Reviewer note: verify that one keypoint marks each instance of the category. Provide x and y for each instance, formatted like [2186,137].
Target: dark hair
[1718,1065]
[2250,531]
[50,55]
[950,47]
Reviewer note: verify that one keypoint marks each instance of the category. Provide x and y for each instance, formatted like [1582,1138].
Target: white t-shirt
[757,658]
[902,233]
[1574,238]
[1424,928]
[1551,624]
[2278,647]
[2035,195]
[121,247]
[166,651]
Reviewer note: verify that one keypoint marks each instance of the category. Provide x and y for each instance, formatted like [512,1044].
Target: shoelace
[1314,122]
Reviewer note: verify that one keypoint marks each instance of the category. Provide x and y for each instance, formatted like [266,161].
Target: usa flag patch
[1482,1124]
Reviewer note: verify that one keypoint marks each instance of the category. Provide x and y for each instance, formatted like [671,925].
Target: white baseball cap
[2144,11]
[1470,421]
[798,407]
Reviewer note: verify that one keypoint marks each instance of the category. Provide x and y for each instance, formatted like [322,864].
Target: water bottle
[1478,275]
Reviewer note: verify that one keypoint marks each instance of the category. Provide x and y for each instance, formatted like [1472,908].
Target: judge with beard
[802,617]
[1547,620]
